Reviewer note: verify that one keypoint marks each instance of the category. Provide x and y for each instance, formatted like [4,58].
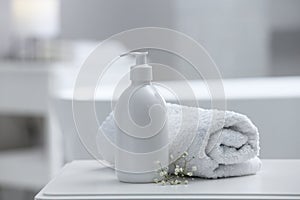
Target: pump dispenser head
[141,71]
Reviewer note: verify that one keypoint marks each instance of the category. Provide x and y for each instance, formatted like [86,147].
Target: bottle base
[127,177]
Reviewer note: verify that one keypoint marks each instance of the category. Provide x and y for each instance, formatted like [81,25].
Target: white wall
[99,19]
[284,37]
[4,26]
[234,32]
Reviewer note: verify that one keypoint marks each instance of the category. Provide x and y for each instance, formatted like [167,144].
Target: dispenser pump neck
[141,57]
[141,71]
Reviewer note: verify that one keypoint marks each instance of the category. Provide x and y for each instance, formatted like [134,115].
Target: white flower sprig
[180,173]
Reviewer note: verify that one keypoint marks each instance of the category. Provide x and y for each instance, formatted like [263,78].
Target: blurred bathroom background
[255,44]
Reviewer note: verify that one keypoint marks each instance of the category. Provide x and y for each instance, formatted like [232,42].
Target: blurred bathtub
[273,104]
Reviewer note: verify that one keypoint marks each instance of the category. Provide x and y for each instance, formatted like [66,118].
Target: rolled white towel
[223,144]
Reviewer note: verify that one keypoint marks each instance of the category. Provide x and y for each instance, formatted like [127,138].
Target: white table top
[278,179]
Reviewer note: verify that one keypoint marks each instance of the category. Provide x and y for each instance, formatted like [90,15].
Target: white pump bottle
[141,118]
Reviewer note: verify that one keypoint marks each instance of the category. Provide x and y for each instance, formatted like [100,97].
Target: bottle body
[142,136]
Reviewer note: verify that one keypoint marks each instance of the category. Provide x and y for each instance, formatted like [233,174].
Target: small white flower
[163,173]
[155,180]
[190,174]
[171,156]
[176,171]
[181,169]
[185,154]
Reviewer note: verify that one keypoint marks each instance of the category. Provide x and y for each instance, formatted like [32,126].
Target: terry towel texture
[224,144]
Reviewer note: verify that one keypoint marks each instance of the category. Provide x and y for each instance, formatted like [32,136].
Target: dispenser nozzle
[141,57]
[141,71]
